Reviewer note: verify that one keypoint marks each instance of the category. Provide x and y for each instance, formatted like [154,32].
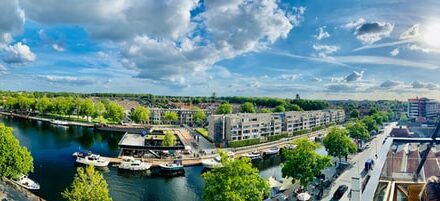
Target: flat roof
[132,140]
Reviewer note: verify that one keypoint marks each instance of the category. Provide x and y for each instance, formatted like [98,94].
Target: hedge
[277,137]
[241,143]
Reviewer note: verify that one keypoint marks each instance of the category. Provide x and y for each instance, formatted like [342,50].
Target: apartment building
[422,109]
[243,126]
[185,116]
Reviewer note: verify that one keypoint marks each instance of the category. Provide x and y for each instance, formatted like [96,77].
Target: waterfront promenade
[68,123]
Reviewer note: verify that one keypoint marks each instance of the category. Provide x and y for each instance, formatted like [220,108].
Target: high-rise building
[423,109]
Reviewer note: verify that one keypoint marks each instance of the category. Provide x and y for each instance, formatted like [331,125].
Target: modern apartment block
[185,116]
[422,109]
[241,126]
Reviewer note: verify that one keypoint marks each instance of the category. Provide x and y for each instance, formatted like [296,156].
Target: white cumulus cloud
[324,50]
[18,53]
[11,20]
[395,52]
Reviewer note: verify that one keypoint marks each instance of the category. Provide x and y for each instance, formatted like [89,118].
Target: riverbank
[67,123]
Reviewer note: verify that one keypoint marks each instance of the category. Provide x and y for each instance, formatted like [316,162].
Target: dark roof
[400,132]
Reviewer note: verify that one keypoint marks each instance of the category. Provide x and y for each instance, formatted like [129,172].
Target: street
[358,163]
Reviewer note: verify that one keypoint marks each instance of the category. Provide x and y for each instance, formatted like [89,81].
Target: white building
[422,109]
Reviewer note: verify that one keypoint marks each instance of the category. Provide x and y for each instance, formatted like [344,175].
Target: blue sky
[340,49]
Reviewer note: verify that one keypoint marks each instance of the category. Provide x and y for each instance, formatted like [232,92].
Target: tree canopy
[303,163]
[199,116]
[247,107]
[265,110]
[237,180]
[14,159]
[170,116]
[370,122]
[88,184]
[140,114]
[169,140]
[355,114]
[358,130]
[279,108]
[224,108]
[338,143]
[114,112]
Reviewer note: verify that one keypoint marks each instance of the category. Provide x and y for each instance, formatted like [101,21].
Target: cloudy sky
[339,49]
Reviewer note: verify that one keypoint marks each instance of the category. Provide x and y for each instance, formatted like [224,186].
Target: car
[340,192]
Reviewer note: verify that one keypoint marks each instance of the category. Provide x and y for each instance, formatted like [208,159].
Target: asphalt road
[358,160]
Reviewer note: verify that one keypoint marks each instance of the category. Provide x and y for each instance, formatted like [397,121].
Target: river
[54,167]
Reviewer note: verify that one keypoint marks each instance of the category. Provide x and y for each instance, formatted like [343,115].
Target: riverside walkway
[241,151]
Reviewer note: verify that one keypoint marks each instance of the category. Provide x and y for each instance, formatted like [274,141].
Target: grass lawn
[202,131]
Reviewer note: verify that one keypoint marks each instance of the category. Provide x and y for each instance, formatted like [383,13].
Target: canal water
[54,167]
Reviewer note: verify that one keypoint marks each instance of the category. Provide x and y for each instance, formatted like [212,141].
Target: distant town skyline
[319,49]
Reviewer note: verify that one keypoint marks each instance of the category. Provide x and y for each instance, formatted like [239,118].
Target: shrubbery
[241,143]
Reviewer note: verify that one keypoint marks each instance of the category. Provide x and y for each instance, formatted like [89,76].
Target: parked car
[340,192]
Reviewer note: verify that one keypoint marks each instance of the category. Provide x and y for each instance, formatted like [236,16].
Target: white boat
[172,167]
[59,122]
[212,163]
[254,155]
[272,151]
[81,154]
[92,159]
[129,163]
[27,183]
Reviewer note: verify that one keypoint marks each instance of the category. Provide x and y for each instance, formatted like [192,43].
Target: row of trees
[66,106]
[249,107]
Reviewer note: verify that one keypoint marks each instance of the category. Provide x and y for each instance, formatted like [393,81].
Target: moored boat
[272,151]
[254,155]
[129,163]
[212,163]
[92,159]
[59,122]
[27,183]
[172,167]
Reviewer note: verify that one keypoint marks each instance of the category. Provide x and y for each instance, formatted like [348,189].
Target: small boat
[212,163]
[172,167]
[254,155]
[272,151]
[81,154]
[129,163]
[92,159]
[290,146]
[59,122]
[27,183]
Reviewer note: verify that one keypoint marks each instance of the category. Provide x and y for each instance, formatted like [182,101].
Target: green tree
[224,108]
[265,110]
[169,140]
[372,111]
[87,108]
[115,112]
[170,116]
[247,107]
[338,143]
[14,159]
[370,122]
[99,109]
[11,103]
[140,115]
[403,118]
[43,104]
[88,184]
[61,106]
[24,103]
[303,163]
[237,180]
[199,116]
[293,107]
[358,130]
[355,114]
[279,108]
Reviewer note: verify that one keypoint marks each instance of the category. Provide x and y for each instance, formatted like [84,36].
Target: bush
[241,143]
[277,137]
[204,133]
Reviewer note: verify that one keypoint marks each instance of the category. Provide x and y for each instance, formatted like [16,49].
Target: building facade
[423,109]
[185,116]
[242,126]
